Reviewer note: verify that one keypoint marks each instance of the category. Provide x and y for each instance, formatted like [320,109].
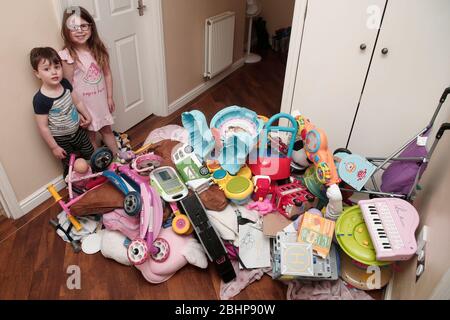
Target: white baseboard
[40,196]
[389,289]
[188,97]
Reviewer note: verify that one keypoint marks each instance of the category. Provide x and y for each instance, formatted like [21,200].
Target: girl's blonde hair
[95,44]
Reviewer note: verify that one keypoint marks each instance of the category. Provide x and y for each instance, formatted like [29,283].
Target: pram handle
[444,127]
[445,94]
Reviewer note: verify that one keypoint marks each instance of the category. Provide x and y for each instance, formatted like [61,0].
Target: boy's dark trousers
[77,143]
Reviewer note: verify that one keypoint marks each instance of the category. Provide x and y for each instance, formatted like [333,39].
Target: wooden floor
[34,260]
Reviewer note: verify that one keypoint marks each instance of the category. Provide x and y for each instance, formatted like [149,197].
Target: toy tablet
[354,238]
[169,184]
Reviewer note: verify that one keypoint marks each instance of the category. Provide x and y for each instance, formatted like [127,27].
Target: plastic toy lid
[354,238]
[239,188]
[92,244]
[220,174]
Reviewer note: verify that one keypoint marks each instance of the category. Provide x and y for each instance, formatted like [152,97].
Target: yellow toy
[237,188]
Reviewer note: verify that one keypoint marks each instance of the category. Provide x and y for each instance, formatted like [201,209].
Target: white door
[338,41]
[129,38]
[404,85]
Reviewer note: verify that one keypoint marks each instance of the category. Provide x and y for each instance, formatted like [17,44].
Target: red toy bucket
[277,167]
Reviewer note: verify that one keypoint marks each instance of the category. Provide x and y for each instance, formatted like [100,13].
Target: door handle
[141,7]
[363,46]
[385,51]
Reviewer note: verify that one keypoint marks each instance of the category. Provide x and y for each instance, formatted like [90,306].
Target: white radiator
[219,43]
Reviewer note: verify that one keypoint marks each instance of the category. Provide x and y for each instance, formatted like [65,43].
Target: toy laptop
[353,169]
[323,269]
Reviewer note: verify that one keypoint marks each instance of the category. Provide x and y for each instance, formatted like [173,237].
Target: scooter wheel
[181,224]
[101,160]
[132,204]
[163,250]
[138,252]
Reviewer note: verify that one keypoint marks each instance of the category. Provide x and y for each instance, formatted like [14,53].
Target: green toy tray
[354,238]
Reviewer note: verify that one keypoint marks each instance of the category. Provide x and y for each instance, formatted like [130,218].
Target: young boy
[60,115]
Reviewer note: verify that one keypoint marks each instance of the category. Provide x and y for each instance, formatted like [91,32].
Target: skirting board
[40,196]
[188,97]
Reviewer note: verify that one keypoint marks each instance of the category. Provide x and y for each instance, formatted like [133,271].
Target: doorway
[9,205]
[135,42]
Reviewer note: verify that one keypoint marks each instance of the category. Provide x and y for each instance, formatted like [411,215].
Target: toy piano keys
[391,223]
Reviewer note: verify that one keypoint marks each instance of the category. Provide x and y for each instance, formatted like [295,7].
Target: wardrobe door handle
[363,46]
[385,51]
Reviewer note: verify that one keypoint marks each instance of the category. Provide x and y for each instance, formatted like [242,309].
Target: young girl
[86,65]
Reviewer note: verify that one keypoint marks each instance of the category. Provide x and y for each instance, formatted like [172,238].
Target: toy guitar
[208,237]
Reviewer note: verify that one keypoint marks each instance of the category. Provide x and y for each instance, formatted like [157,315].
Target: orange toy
[316,148]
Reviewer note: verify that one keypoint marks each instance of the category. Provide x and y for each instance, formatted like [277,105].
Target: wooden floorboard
[34,260]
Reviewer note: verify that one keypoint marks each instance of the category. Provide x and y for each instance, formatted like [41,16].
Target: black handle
[385,51]
[444,127]
[444,95]
[363,46]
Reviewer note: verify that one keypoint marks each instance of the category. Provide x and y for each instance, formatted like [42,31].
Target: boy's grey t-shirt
[63,117]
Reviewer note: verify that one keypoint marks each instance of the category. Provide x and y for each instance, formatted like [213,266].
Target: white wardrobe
[369,72]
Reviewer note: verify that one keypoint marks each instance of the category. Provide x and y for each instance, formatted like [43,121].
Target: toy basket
[276,166]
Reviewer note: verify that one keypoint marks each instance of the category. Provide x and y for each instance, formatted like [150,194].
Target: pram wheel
[101,159]
[138,252]
[132,203]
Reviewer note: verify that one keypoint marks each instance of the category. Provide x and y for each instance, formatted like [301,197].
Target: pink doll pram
[407,164]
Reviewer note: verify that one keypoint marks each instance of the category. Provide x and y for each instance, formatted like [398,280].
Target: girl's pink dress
[90,86]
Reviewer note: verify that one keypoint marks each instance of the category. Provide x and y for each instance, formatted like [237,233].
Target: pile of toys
[282,204]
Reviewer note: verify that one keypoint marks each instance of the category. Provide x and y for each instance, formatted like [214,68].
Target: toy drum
[239,190]
[356,275]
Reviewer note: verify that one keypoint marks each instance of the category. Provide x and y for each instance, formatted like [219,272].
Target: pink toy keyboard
[391,223]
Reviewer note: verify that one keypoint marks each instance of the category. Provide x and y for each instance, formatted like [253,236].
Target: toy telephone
[316,148]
